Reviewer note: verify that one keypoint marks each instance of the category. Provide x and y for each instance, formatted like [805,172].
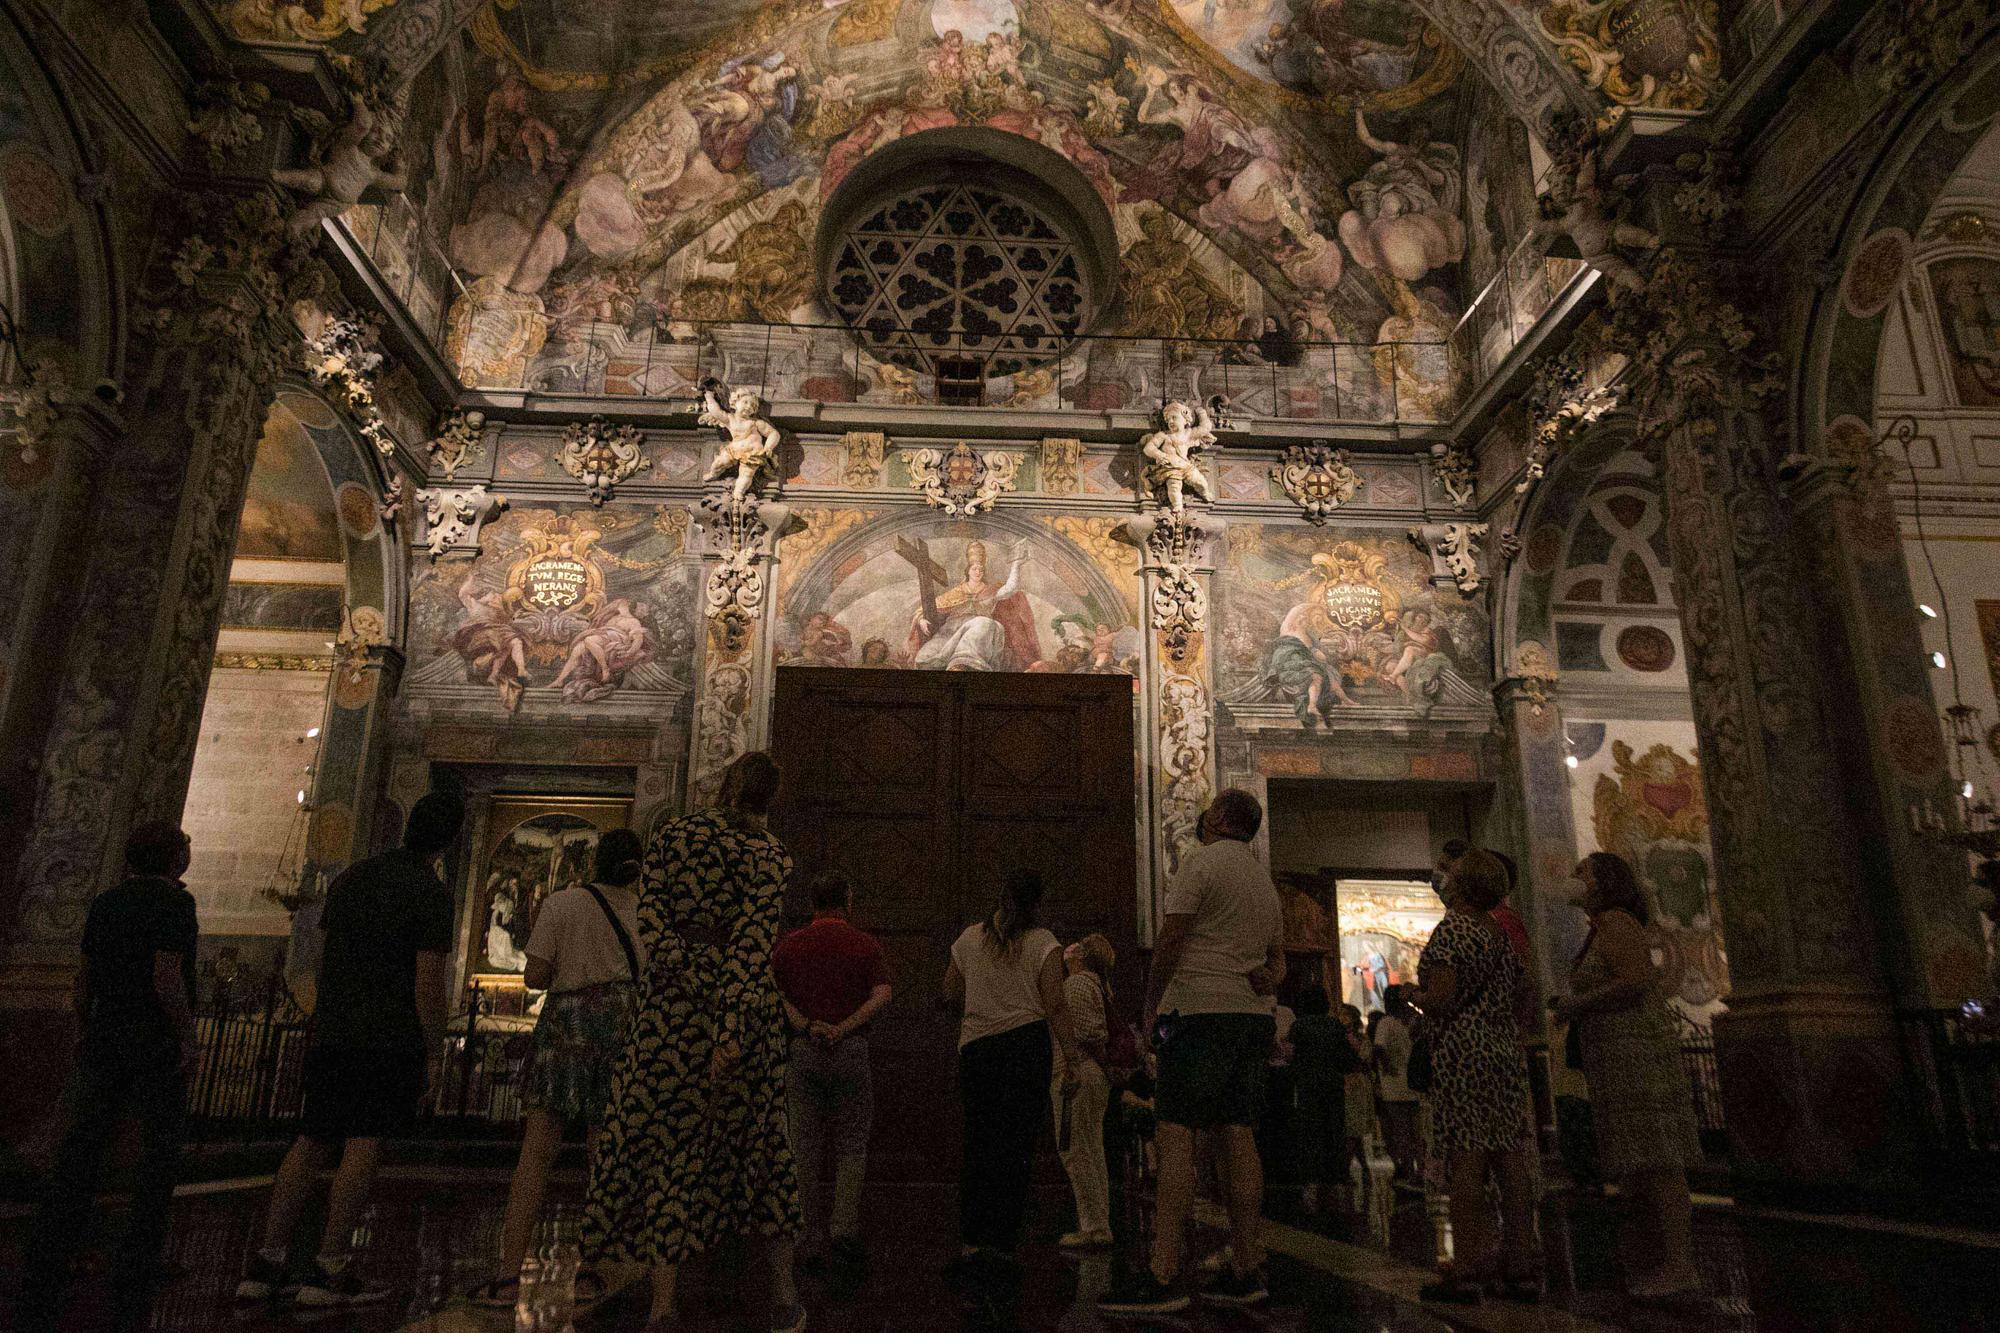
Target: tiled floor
[433,1231]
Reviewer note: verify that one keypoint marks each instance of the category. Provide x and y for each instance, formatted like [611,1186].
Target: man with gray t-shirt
[1217,963]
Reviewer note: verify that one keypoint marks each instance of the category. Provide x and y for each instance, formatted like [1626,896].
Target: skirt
[575,1050]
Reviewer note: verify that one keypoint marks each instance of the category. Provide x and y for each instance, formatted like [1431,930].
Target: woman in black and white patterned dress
[695,1148]
[1475,998]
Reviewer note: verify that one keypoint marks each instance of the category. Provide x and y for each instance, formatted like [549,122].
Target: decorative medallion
[1317,477]
[360,512]
[961,482]
[1645,648]
[37,196]
[600,455]
[1912,740]
[1875,273]
[1544,548]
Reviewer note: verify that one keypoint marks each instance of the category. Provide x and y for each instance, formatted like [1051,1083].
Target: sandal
[499,1293]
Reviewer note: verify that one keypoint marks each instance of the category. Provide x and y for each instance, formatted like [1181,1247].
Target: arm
[171,986]
[539,973]
[954,982]
[1438,989]
[1266,979]
[1621,941]
[1050,984]
[433,997]
[877,998]
[794,1017]
[1169,947]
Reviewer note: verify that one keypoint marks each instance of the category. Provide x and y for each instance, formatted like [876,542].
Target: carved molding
[456,441]
[959,481]
[1317,478]
[601,455]
[453,519]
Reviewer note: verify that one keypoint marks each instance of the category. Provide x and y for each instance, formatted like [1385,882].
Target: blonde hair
[1479,879]
[1098,959]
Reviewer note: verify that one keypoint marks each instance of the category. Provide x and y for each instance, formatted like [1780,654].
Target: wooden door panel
[926,788]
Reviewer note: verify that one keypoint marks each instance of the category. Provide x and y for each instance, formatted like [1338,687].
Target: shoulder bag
[618,929]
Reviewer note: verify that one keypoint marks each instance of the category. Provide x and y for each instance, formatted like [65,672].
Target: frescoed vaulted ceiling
[1353,169]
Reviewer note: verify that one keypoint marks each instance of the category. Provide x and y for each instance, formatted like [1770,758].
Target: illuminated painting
[931,594]
[1967,292]
[288,510]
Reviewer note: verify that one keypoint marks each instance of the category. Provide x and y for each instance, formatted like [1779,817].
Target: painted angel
[753,442]
[1171,454]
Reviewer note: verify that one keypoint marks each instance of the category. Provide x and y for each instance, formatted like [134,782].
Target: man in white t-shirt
[1217,962]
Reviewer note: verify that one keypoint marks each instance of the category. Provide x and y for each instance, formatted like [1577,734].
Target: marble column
[142,590]
[732,712]
[353,749]
[1808,1054]
[1176,565]
[1532,722]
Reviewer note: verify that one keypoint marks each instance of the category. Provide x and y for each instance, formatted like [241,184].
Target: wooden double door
[926,788]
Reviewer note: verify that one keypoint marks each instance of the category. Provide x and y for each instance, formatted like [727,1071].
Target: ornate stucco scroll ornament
[1454,552]
[394,492]
[959,481]
[1561,401]
[862,453]
[36,404]
[749,456]
[1453,472]
[742,537]
[453,519]
[1171,551]
[342,357]
[1317,477]
[1172,469]
[456,442]
[361,629]
[1535,668]
[1672,59]
[224,118]
[601,455]
[1928,38]
[1186,720]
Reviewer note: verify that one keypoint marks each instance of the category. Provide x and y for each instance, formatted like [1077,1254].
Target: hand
[723,1060]
[1263,981]
[923,625]
[826,1032]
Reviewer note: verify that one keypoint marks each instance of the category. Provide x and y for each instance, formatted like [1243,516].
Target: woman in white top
[584,952]
[1087,996]
[1009,973]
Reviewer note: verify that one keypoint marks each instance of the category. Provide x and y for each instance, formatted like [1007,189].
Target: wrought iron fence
[1954,1061]
[659,355]
[1698,1058]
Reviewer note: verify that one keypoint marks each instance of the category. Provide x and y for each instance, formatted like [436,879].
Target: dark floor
[432,1233]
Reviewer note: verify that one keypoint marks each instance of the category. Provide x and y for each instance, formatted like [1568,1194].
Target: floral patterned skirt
[577,1044]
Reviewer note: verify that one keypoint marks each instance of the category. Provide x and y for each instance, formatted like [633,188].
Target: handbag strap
[618,929]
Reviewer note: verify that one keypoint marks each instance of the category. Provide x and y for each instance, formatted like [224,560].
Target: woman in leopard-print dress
[1474,997]
[695,1147]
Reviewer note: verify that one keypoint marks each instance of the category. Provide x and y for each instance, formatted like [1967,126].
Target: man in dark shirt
[834,979]
[133,999]
[381,1000]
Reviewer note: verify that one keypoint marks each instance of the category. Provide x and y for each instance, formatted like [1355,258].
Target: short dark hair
[1455,848]
[434,821]
[1238,814]
[1479,879]
[1613,885]
[751,783]
[830,891]
[620,855]
[155,848]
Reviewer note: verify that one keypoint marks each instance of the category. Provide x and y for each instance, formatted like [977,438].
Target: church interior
[1552,426]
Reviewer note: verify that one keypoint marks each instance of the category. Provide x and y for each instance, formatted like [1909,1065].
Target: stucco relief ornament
[393,495]
[862,453]
[1452,471]
[452,519]
[1535,668]
[751,449]
[959,481]
[457,441]
[1172,471]
[743,537]
[1454,552]
[1185,717]
[36,404]
[361,628]
[600,455]
[1561,401]
[359,157]
[342,357]
[1060,461]
[225,118]
[1317,477]
[1171,550]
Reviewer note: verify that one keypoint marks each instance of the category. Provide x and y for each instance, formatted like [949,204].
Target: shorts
[577,1044]
[360,1094]
[1214,1069]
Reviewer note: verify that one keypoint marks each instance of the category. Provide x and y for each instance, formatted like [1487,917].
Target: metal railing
[1705,1083]
[659,355]
[1954,1060]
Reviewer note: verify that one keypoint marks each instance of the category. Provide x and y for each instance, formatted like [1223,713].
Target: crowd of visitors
[720,1075]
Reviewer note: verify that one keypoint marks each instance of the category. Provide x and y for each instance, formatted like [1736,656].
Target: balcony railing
[660,357]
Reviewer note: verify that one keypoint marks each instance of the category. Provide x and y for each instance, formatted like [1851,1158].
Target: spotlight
[1571,760]
[1930,612]
[1937,660]
[312,733]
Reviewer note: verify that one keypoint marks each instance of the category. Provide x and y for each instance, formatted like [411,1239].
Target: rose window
[960,282]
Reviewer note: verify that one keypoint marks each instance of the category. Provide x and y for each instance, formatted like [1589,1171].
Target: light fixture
[1930,612]
[311,732]
[1938,661]
[1572,761]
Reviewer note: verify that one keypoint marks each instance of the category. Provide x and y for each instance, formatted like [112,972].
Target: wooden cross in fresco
[930,574]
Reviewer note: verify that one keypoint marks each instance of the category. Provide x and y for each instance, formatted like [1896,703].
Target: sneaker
[263,1278]
[1086,1240]
[1234,1288]
[1141,1294]
[321,1289]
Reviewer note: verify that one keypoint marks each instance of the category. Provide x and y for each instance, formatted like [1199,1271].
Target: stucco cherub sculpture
[1171,455]
[361,155]
[752,445]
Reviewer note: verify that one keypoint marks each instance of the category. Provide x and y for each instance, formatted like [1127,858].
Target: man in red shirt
[834,979]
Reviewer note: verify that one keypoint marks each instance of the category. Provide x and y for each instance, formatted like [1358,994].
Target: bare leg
[540,1141]
[1516,1173]
[351,1180]
[1175,1197]
[1472,1221]
[664,1281]
[1665,1221]
[1244,1183]
[784,1290]
[297,1175]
